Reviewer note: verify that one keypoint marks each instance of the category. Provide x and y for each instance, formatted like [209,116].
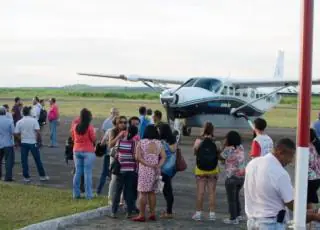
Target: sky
[45,43]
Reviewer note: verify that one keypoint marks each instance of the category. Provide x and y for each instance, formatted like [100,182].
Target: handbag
[159,184]
[169,166]
[100,150]
[115,167]
[181,164]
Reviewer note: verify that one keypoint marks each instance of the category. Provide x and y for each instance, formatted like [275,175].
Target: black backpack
[43,117]
[207,155]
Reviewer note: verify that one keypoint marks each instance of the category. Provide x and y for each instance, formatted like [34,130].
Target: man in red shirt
[262,144]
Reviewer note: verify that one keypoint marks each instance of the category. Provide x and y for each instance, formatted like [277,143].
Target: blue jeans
[8,154]
[34,149]
[265,224]
[53,132]
[84,164]
[104,174]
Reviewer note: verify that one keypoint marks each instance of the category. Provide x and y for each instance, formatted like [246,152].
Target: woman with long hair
[206,170]
[170,146]
[126,181]
[116,134]
[234,159]
[151,155]
[314,170]
[84,137]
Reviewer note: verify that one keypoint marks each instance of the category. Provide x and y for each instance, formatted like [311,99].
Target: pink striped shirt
[125,156]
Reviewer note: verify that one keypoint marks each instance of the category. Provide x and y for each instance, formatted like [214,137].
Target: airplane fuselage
[211,99]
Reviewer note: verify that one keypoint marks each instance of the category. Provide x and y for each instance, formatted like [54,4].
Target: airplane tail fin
[279,70]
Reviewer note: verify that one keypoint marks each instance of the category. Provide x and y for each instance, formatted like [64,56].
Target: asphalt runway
[183,183]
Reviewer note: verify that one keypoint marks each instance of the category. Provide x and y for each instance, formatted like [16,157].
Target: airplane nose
[169,99]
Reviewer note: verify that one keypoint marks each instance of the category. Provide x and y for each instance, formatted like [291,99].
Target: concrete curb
[65,221]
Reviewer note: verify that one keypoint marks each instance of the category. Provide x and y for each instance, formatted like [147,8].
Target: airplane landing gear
[186,131]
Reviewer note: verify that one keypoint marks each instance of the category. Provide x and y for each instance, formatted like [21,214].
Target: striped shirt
[126,156]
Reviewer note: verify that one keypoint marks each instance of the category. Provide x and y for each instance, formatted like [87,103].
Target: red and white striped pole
[301,174]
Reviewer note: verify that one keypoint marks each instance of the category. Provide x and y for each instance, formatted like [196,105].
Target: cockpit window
[190,82]
[212,85]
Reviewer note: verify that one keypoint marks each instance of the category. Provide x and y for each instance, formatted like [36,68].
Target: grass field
[86,92]
[128,102]
[34,204]
[277,117]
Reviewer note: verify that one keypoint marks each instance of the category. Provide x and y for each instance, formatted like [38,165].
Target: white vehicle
[216,99]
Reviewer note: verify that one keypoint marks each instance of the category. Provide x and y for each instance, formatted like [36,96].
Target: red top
[84,143]
[255,149]
[53,113]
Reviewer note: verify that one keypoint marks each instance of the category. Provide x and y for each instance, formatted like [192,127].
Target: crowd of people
[22,127]
[140,159]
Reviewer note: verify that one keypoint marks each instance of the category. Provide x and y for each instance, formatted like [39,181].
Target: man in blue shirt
[6,144]
[144,121]
[316,126]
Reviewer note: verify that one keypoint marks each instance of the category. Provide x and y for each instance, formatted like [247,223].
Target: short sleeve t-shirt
[267,187]
[27,127]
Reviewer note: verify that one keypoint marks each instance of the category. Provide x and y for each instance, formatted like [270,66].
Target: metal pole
[301,174]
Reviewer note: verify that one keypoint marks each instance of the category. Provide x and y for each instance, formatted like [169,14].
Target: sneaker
[27,180]
[241,218]
[44,178]
[197,216]
[228,221]
[212,216]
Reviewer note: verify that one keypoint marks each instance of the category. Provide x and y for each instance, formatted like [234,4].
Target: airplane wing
[266,84]
[136,78]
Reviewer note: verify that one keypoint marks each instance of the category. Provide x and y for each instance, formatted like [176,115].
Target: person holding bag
[168,169]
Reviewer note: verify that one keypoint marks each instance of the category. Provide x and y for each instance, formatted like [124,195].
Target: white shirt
[36,110]
[265,142]
[107,124]
[267,187]
[27,127]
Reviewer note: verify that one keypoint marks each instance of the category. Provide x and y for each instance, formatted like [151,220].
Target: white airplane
[223,101]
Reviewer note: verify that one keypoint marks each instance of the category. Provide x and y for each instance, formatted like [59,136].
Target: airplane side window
[231,91]
[245,93]
[252,94]
[224,91]
[257,96]
[237,93]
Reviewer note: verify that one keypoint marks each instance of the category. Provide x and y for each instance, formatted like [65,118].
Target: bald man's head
[285,150]
[114,112]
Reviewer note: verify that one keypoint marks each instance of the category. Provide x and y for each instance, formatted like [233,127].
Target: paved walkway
[183,184]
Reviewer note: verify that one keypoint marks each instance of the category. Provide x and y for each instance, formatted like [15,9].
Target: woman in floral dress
[148,151]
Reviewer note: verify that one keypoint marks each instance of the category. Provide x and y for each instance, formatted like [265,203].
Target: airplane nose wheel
[186,131]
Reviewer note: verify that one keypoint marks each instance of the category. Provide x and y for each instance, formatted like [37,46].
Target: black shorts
[313,186]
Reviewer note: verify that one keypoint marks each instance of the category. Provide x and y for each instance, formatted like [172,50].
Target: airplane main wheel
[186,131]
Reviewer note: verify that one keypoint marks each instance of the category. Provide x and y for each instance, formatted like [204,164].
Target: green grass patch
[23,205]
[62,93]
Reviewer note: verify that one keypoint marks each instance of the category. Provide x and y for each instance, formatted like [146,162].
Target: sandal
[139,219]
[152,217]
[165,215]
